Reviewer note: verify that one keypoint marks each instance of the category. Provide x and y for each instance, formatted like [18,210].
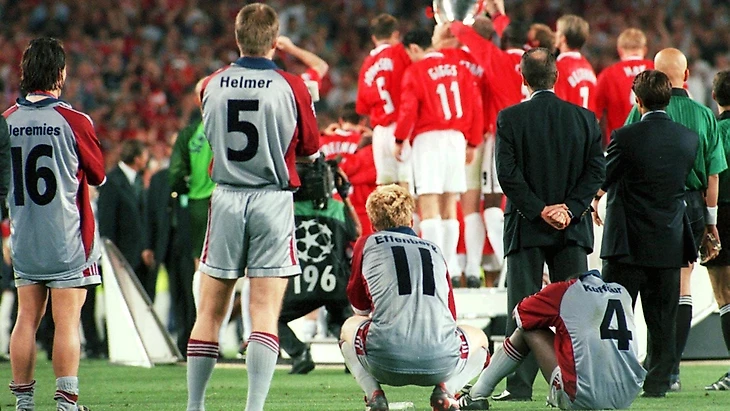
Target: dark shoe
[441,400]
[377,402]
[473,282]
[507,396]
[649,394]
[302,363]
[466,402]
[723,384]
[83,408]
[456,282]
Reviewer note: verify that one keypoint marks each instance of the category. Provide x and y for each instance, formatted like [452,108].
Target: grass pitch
[109,387]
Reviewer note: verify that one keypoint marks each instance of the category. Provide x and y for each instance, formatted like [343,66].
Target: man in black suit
[121,211]
[647,238]
[170,239]
[550,165]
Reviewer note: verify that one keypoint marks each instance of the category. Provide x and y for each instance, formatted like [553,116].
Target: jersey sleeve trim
[91,160]
[357,289]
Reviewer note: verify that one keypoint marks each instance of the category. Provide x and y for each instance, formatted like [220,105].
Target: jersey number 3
[621,333]
[235,124]
[29,175]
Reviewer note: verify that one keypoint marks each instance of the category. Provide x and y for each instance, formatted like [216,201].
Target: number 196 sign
[311,276]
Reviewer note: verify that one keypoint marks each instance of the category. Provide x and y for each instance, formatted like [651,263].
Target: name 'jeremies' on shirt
[44,130]
[241,82]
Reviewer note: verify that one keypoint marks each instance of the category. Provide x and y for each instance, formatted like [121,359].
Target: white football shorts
[387,168]
[490,183]
[439,158]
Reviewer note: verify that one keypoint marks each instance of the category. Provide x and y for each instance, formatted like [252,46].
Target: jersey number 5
[235,124]
[621,334]
[29,175]
[403,271]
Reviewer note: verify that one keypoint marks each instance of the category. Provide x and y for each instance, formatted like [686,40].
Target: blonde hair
[631,39]
[575,29]
[257,27]
[390,206]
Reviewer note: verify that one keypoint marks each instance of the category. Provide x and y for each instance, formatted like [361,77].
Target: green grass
[110,387]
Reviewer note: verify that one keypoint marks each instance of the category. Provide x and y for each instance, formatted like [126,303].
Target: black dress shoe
[649,394]
[302,363]
[507,396]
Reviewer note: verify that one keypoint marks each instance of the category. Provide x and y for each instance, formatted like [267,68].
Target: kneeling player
[405,329]
[589,361]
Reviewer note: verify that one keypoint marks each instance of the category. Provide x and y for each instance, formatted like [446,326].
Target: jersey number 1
[403,271]
[29,175]
[235,107]
[621,334]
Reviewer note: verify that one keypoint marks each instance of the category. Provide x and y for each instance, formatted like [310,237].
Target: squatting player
[404,331]
[589,361]
[55,144]
[257,119]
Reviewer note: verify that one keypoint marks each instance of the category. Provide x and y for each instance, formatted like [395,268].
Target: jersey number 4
[235,124]
[621,333]
[403,271]
[30,174]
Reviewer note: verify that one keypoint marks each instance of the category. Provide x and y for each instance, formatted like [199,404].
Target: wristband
[711,215]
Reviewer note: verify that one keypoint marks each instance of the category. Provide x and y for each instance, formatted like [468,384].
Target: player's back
[576,80]
[342,143]
[600,321]
[614,92]
[378,90]
[413,328]
[55,155]
[479,76]
[255,122]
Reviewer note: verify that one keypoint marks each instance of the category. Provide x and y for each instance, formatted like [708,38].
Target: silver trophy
[445,11]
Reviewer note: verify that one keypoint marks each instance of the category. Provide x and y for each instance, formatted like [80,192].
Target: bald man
[702,187]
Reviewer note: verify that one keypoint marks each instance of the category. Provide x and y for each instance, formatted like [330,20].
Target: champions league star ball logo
[314,241]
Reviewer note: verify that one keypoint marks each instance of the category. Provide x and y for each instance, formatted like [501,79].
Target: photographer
[324,229]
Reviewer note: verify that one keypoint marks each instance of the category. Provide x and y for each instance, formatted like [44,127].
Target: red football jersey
[379,83]
[576,80]
[614,97]
[465,59]
[360,170]
[342,143]
[311,75]
[440,94]
[502,71]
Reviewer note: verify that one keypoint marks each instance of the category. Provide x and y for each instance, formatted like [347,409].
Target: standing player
[441,113]
[379,95]
[576,79]
[52,143]
[590,360]
[257,119]
[719,268]
[702,185]
[404,331]
[340,140]
[614,96]
[317,68]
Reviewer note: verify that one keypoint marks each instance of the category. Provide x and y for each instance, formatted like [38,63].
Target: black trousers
[659,288]
[180,269]
[524,278]
[337,313]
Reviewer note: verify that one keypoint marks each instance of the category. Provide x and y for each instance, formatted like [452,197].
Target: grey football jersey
[257,120]
[55,156]
[404,281]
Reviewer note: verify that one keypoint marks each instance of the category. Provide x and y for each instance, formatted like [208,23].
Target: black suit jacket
[169,223]
[648,164]
[548,152]
[122,217]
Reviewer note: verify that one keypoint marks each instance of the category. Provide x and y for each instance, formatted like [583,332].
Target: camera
[319,179]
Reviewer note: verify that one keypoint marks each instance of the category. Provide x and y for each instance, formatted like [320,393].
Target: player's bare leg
[66,307]
[474,233]
[369,385]
[720,279]
[31,307]
[215,297]
[450,224]
[263,344]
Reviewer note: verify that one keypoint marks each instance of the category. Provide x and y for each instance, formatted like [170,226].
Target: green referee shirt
[189,163]
[723,129]
[700,119]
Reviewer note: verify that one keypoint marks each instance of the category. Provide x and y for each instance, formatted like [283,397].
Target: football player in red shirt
[614,96]
[379,95]
[441,110]
[576,78]
[316,67]
[340,140]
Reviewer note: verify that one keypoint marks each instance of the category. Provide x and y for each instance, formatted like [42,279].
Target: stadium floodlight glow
[452,10]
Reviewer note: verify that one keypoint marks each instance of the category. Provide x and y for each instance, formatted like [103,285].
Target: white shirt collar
[377,50]
[650,112]
[632,58]
[436,54]
[128,172]
[542,91]
[571,54]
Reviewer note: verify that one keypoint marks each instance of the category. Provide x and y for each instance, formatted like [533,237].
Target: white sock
[309,329]
[366,381]
[432,230]
[474,365]
[263,349]
[416,223]
[474,239]
[494,221]
[504,362]
[451,241]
